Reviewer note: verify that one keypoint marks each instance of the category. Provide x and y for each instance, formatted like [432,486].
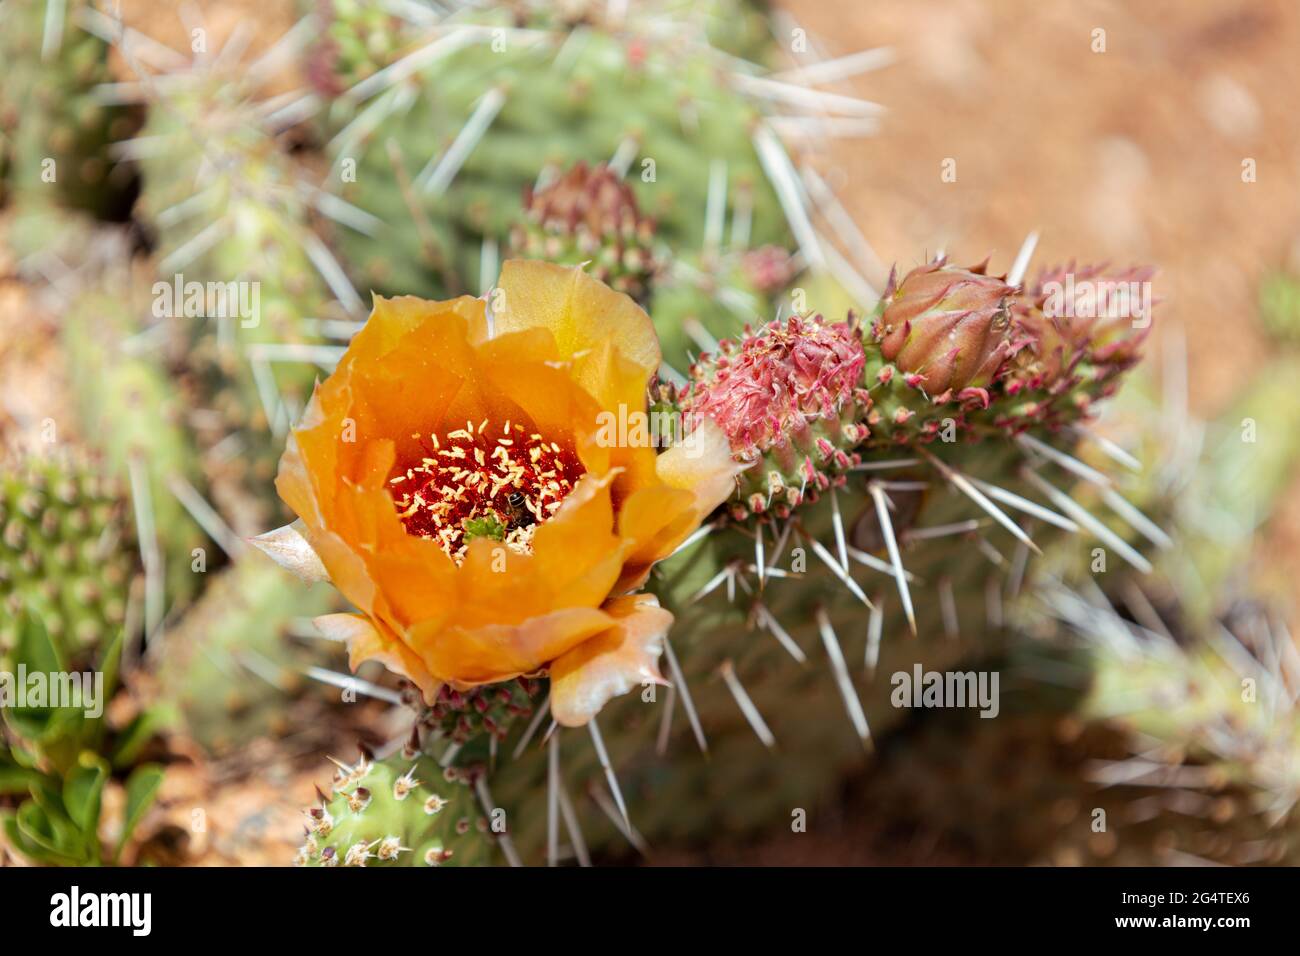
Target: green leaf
[38,654]
[44,842]
[54,820]
[20,842]
[134,736]
[141,788]
[18,779]
[109,662]
[35,647]
[83,789]
[23,757]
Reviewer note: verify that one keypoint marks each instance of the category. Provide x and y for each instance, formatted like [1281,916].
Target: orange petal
[697,475]
[365,643]
[582,313]
[497,652]
[612,663]
[702,464]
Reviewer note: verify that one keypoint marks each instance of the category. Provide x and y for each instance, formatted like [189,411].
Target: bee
[517,513]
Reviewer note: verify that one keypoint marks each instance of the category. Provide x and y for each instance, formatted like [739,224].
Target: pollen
[476,480]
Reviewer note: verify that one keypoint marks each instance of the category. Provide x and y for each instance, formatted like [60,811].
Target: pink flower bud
[947,327]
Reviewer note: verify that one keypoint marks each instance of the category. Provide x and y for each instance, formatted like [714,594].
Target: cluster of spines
[404,810]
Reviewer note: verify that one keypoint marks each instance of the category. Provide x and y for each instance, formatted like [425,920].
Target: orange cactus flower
[456,480]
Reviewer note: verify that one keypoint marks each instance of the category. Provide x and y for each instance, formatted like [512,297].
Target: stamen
[481,485]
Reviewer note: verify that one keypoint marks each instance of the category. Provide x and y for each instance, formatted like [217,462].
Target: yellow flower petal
[613,663]
[585,316]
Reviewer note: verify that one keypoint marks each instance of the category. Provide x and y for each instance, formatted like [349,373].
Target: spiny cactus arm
[130,415]
[740,579]
[403,810]
[1208,721]
[229,670]
[515,113]
[54,131]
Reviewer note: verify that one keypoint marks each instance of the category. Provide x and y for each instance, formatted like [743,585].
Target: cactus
[889,444]
[1212,725]
[54,130]
[67,552]
[1178,688]
[541,95]
[230,209]
[128,412]
[228,672]
[514,96]
[405,810]
[589,215]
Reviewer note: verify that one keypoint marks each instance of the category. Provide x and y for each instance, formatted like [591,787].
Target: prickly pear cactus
[508,95]
[128,413]
[589,215]
[67,552]
[229,672]
[54,129]
[404,810]
[243,280]
[871,533]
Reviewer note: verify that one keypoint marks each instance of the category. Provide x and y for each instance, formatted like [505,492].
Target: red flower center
[484,481]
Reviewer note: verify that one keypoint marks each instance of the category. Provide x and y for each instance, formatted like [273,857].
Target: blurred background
[1160,133]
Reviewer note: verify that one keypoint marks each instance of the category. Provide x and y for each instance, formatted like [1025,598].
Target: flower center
[484,481]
